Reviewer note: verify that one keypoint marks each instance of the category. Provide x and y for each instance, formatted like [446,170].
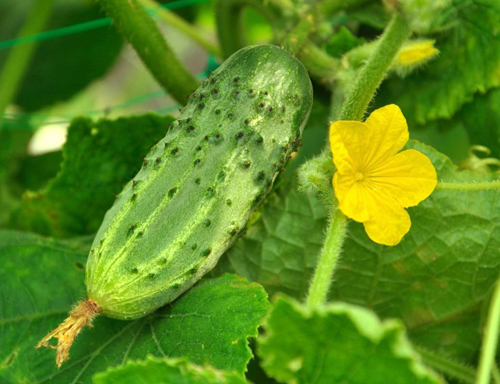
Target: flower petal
[389,221]
[409,177]
[351,196]
[390,134]
[348,143]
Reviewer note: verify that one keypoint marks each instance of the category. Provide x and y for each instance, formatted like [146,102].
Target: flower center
[359,176]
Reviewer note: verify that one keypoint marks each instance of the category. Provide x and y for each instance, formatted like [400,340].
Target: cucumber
[199,184]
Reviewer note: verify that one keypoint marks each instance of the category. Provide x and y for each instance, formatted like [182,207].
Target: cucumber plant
[361,234]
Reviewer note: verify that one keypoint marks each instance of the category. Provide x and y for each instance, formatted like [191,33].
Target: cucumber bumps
[196,189]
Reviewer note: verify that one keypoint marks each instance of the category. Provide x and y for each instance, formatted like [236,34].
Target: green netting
[22,120]
[83,27]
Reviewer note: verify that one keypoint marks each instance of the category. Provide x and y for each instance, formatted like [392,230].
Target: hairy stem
[447,366]
[490,339]
[328,257]
[20,56]
[479,186]
[139,29]
[321,66]
[299,35]
[180,24]
[372,74]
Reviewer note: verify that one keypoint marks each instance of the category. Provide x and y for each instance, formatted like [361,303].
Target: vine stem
[490,339]
[354,106]
[321,66]
[180,24]
[447,366]
[479,186]
[327,261]
[20,56]
[139,29]
[372,74]
[230,26]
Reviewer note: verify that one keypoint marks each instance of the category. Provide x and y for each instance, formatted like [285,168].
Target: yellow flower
[374,183]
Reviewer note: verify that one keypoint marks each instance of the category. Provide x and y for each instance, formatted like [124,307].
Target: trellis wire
[83,27]
[15,118]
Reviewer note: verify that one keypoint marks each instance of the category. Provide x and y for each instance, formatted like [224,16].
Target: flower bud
[416,53]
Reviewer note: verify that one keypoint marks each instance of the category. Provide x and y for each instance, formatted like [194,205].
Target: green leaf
[342,42]
[41,279]
[468,63]
[165,371]
[338,343]
[99,158]
[64,66]
[436,280]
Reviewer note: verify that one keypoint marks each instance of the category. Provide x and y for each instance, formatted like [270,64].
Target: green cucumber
[199,184]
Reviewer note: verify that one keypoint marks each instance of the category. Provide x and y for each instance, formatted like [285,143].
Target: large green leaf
[469,62]
[165,371]
[64,66]
[41,279]
[338,343]
[99,158]
[436,279]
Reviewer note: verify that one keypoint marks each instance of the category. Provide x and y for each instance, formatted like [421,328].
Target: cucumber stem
[133,22]
[230,26]
[80,316]
[321,66]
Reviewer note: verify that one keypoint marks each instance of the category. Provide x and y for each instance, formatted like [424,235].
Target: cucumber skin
[199,184]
